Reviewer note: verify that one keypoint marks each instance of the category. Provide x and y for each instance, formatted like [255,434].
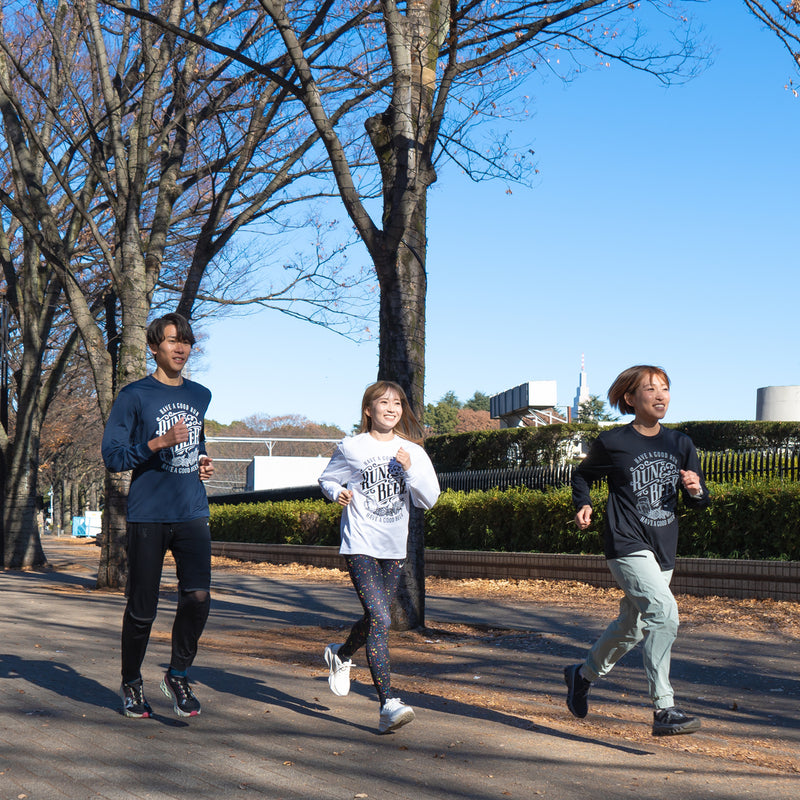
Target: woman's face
[385,411]
[650,399]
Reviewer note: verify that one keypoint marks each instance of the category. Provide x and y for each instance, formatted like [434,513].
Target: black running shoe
[673,721]
[577,691]
[177,688]
[133,700]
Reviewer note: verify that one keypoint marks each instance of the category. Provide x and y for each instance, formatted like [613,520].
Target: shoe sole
[132,714]
[677,730]
[406,717]
[179,711]
[570,674]
[329,656]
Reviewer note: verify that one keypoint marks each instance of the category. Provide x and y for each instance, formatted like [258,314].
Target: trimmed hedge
[534,447]
[758,520]
[282,522]
[507,447]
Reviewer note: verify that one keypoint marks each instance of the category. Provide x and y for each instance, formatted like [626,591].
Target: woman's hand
[583,519]
[403,459]
[691,482]
[344,498]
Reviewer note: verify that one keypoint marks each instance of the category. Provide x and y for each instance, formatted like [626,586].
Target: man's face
[172,354]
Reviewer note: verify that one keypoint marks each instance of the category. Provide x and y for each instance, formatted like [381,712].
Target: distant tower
[582,394]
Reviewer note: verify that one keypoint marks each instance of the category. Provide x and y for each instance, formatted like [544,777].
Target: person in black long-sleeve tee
[647,466]
[156,429]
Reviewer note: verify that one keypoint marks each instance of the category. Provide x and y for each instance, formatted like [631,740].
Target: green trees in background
[594,410]
[450,415]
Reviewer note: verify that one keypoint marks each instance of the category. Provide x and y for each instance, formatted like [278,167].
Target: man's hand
[206,467]
[177,434]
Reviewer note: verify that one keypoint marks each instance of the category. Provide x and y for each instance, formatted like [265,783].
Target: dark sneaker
[177,688]
[672,721]
[577,691]
[133,700]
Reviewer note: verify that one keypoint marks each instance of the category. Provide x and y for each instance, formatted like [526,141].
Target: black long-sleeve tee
[643,475]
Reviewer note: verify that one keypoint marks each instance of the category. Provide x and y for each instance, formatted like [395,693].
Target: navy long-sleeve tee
[643,475]
[165,486]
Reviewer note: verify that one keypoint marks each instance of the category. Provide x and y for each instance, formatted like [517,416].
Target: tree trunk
[22,546]
[57,503]
[112,571]
[66,510]
[402,359]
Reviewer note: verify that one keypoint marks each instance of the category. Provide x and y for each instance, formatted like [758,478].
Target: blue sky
[660,229]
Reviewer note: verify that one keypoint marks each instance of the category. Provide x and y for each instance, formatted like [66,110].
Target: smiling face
[384,412]
[171,354]
[650,400]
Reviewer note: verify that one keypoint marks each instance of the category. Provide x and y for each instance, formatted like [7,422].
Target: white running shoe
[395,714]
[339,677]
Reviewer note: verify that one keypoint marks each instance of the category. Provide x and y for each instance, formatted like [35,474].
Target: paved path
[271,728]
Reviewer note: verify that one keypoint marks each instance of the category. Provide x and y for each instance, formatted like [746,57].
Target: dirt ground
[420,659]
[749,616]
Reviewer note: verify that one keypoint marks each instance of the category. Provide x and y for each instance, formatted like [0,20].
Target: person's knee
[662,613]
[197,598]
[137,622]
[380,619]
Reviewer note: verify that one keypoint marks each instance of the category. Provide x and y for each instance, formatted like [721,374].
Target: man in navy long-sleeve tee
[155,429]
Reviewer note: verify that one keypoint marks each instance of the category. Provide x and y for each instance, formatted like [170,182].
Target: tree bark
[113,568]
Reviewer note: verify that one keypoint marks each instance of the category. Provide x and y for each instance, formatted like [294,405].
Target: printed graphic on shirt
[383,485]
[182,458]
[654,478]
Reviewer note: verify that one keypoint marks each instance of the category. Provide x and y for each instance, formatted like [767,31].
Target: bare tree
[137,157]
[444,67]
[782,17]
[444,55]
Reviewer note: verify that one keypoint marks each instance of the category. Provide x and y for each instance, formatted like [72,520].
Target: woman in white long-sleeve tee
[376,476]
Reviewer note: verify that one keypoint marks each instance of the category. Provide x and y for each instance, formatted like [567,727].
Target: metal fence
[726,467]
[736,466]
[483,479]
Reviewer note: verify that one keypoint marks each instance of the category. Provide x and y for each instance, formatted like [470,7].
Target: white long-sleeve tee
[375,522]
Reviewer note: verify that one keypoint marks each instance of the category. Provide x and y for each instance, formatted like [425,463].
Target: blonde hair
[408,427]
[627,382]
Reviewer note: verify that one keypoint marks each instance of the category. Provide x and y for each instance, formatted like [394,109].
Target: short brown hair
[627,382]
[155,330]
[408,427]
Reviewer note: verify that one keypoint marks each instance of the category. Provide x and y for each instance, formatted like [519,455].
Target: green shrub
[549,444]
[283,522]
[757,519]
[514,520]
[507,447]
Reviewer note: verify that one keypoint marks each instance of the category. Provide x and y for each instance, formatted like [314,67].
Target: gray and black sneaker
[577,691]
[673,721]
[177,688]
[134,703]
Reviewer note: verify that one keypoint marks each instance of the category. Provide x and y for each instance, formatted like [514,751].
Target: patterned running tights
[376,582]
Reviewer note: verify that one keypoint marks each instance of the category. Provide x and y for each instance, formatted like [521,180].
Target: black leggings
[376,583]
[190,543]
